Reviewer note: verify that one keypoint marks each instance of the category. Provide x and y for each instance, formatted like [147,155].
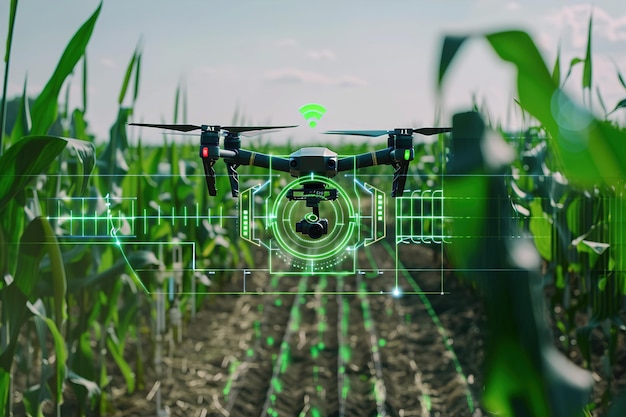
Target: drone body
[313,160]
[307,161]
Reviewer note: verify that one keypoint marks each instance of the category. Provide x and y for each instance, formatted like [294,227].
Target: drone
[307,161]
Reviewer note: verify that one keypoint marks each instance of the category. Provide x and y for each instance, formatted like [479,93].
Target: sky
[371,64]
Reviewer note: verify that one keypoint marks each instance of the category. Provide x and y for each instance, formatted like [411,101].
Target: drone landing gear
[234,178]
[209,174]
[313,192]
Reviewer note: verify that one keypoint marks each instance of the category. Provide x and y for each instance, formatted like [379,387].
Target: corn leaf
[24,161]
[125,368]
[84,83]
[451,45]
[5,392]
[4,256]
[60,349]
[137,72]
[84,158]
[10,34]
[556,70]
[7,57]
[572,128]
[176,102]
[32,156]
[620,78]
[572,64]
[541,229]
[22,123]
[587,69]
[600,100]
[136,260]
[129,72]
[45,108]
[38,238]
[619,105]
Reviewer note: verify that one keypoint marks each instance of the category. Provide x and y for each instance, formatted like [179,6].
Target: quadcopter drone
[307,161]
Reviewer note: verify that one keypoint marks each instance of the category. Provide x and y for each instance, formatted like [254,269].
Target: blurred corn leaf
[620,78]
[451,45]
[588,69]
[541,228]
[85,388]
[601,101]
[556,70]
[572,129]
[619,105]
[45,108]
[118,356]
[572,64]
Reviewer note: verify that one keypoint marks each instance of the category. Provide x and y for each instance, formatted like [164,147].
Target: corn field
[106,306]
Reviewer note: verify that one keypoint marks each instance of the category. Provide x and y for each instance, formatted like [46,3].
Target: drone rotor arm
[364,160]
[257,159]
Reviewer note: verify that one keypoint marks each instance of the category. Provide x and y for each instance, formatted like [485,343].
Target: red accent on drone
[205,152]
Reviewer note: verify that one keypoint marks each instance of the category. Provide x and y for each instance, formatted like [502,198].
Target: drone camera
[314,227]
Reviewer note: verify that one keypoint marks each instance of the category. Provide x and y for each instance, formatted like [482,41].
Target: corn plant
[570,187]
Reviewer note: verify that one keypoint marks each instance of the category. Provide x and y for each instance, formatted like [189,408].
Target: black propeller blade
[189,128]
[180,128]
[242,129]
[374,133]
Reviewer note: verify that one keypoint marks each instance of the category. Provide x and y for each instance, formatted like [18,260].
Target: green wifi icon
[312,113]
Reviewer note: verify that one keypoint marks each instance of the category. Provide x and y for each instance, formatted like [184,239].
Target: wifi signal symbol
[312,113]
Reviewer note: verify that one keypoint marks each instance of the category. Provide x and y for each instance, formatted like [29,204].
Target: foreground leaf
[45,108]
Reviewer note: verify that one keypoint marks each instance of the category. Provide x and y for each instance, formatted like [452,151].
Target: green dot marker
[312,123]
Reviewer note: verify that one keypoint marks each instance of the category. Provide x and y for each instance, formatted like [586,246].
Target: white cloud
[294,75]
[108,62]
[286,42]
[513,5]
[320,54]
[576,19]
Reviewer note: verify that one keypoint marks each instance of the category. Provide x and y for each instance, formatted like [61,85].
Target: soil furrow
[249,392]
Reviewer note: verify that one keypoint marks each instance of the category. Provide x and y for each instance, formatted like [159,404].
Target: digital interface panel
[274,224]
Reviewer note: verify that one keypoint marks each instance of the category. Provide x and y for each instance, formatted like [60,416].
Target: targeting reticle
[311,237]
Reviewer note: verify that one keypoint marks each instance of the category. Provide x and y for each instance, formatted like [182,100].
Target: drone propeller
[399,152]
[428,131]
[210,150]
[189,128]
[180,128]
